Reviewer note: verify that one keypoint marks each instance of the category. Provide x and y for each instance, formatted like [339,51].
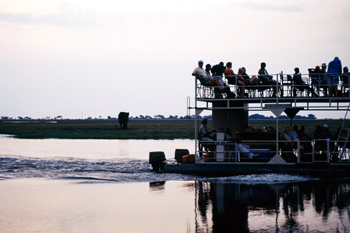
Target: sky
[82,58]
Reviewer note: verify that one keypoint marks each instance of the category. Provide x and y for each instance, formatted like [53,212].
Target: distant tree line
[159,116]
[259,116]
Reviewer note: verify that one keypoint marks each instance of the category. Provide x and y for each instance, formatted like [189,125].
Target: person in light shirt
[202,76]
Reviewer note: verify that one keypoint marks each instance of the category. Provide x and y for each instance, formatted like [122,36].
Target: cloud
[268,7]
[69,17]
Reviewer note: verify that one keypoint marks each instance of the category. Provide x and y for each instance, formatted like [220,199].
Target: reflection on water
[318,206]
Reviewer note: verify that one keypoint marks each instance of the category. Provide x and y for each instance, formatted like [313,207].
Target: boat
[322,158]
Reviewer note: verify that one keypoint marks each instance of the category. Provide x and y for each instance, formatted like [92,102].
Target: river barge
[323,158]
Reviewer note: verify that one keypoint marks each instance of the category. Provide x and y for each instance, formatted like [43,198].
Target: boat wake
[113,170]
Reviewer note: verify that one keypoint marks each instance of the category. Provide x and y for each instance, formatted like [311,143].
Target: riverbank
[137,128]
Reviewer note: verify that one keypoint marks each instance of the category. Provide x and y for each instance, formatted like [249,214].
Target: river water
[55,185]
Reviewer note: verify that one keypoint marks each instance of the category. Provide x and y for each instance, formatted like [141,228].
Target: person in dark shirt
[345,77]
[218,71]
[300,84]
[333,72]
[266,79]
[248,81]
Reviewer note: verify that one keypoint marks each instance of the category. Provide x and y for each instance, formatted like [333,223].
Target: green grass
[137,129]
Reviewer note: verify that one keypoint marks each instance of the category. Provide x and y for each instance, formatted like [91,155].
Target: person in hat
[202,76]
[326,134]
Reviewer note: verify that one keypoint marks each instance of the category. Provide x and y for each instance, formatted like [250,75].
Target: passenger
[345,78]
[204,134]
[323,78]
[218,71]
[286,136]
[304,146]
[294,133]
[202,75]
[232,78]
[318,132]
[302,134]
[247,80]
[244,149]
[287,148]
[266,79]
[300,84]
[333,72]
[326,134]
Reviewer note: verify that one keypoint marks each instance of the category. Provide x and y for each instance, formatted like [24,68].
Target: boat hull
[319,170]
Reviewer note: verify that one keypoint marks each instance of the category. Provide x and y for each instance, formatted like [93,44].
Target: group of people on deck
[213,76]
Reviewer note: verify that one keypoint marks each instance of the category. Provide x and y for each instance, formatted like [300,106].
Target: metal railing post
[298,151]
[328,154]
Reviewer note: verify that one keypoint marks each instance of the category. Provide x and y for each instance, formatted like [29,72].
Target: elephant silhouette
[123,118]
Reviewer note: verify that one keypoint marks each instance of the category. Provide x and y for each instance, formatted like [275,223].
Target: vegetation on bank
[137,129]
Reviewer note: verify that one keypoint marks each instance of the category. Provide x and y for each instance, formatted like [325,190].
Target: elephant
[123,118]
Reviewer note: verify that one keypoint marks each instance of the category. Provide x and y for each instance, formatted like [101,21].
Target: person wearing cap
[326,134]
[202,75]
[333,72]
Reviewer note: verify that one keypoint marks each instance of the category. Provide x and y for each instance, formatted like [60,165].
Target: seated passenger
[266,79]
[202,75]
[218,71]
[226,88]
[247,80]
[204,135]
[244,149]
[300,84]
[318,78]
[232,78]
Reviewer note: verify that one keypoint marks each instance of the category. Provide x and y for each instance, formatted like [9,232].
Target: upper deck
[307,96]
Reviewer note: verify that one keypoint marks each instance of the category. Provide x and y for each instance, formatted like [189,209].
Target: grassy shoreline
[137,128]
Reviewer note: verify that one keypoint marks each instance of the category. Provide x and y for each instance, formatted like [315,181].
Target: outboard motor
[157,159]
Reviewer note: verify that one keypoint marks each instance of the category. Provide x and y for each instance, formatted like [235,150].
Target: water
[107,186]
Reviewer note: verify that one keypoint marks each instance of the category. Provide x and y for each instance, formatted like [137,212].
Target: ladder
[342,137]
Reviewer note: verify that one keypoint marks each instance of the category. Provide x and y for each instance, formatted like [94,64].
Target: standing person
[232,78]
[345,78]
[333,72]
[266,79]
[324,79]
[202,75]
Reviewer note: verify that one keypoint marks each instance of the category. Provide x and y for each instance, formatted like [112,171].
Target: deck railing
[285,86]
[314,151]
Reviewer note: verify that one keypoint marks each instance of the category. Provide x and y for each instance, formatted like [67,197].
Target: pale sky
[97,58]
